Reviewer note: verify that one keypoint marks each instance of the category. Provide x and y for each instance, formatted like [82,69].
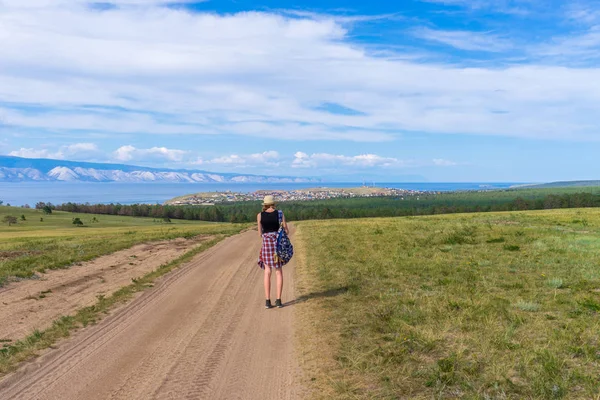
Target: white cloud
[82,150]
[77,147]
[515,7]
[583,12]
[158,70]
[232,159]
[74,151]
[100,4]
[37,153]
[361,161]
[267,158]
[581,47]
[440,162]
[344,19]
[465,40]
[325,162]
[130,153]
[319,160]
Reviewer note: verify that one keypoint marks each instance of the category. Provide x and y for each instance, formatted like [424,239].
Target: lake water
[128,193]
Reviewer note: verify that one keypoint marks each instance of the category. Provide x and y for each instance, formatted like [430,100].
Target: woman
[268,225]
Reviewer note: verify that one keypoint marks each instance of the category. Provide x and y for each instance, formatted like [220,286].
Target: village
[212,198]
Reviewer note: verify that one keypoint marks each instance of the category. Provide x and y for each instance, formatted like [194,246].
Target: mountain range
[17,169]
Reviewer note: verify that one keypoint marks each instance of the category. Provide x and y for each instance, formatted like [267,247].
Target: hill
[564,184]
[17,169]
[321,193]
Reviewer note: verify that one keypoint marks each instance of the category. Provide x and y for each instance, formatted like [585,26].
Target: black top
[269,221]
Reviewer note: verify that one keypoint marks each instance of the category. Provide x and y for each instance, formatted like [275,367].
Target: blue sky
[437,90]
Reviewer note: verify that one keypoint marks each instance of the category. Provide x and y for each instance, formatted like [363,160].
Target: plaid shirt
[268,252]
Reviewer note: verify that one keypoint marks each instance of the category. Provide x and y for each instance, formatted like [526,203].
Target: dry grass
[316,351]
[482,306]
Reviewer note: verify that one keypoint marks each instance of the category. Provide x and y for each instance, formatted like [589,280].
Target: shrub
[9,219]
[464,235]
[555,283]
[527,306]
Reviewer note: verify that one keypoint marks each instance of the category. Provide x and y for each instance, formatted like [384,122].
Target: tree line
[342,208]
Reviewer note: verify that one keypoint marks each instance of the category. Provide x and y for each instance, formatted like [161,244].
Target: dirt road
[36,303]
[201,333]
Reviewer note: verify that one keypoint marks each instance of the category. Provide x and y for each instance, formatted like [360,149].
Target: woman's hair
[267,206]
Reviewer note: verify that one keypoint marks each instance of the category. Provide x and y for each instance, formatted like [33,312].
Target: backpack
[284,248]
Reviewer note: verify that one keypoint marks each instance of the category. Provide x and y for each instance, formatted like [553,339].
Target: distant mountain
[564,184]
[17,169]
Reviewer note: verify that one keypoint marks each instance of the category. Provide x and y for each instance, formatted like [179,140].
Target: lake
[21,193]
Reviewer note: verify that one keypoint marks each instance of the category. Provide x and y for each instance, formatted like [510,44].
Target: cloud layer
[320,160]
[300,162]
[130,153]
[267,158]
[79,151]
[162,70]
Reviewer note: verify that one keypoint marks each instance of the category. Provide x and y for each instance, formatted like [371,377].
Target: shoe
[278,303]
[268,304]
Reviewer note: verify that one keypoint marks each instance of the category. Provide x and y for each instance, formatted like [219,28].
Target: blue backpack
[285,250]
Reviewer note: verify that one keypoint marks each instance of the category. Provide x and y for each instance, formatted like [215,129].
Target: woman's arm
[284,224]
[259,225]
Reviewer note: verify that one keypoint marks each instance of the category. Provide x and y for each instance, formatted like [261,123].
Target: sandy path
[34,304]
[201,333]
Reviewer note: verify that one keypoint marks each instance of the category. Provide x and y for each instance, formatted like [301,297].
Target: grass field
[33,245]
[478,306]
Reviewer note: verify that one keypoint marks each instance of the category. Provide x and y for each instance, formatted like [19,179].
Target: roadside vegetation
[41,240]
[48,239]
[365,207]
[13,354]
[478,306]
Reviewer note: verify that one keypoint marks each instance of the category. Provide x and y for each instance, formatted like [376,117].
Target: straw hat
[268,201]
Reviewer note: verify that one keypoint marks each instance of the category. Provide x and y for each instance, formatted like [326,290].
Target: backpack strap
[280,214]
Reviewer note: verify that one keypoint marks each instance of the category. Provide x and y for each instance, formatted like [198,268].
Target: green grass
[480,306]
[32,246]
[62,221]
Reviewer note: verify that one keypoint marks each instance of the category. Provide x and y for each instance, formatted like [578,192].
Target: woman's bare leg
[267,282]
[279,275]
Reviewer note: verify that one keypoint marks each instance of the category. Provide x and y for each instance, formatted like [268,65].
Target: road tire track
[201,333]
